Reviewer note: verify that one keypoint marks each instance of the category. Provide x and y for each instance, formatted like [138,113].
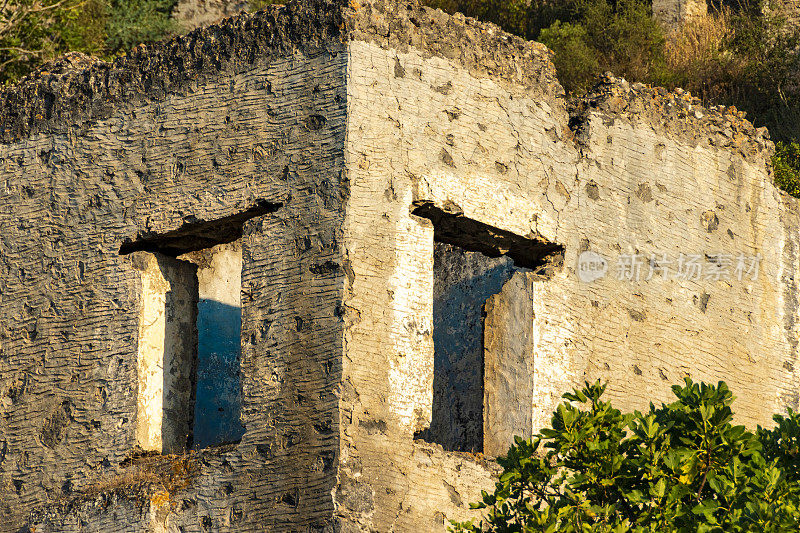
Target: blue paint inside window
[218,399]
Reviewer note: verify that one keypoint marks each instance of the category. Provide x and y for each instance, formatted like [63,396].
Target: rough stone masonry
[391,211]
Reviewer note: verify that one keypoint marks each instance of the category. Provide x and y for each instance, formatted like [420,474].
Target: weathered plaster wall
[110,161]
[643,171]
[338,282]
[423,127]
[700,187]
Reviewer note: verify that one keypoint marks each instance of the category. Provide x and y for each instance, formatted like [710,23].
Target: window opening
[472,262]
[189,346]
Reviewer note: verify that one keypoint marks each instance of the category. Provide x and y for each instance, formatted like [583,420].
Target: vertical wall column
[508,357]
[166,352]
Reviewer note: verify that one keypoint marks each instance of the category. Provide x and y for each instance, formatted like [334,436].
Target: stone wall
[672,13]
[341,142]
[156,149]
[633,171]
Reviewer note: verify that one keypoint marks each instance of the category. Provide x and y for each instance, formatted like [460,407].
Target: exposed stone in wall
[191,14]
[672,13]
[677,114]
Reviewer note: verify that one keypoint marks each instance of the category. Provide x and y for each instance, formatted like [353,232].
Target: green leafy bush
[577,61]
[678,467]
[786,164]
[511,15]
[35,31]
[621,37]
[131,22]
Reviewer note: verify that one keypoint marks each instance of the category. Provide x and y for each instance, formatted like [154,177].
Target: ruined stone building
[310,269]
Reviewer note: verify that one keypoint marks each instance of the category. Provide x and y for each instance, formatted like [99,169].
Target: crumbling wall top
[72,91]
[676,113]
[77,89]
[481,47]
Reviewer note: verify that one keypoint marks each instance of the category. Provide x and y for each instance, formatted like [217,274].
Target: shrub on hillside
[621,37]
[511,15]
[130,22]
[678,467]
[35,31]
[786,165]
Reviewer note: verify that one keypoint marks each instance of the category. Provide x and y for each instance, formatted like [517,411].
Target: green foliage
[24,33]
[35,31]
[587,36]
[84,28]
[131,22]
[622,37]
[786,164]
[783,443]
[511,15]
[577,61]
[765,84]
[679,467]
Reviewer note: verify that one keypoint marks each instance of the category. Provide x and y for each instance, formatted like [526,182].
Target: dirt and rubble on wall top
[77,88]
[675,112]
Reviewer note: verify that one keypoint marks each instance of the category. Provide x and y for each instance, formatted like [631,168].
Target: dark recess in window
[452,227]
[196,234]
[212,328]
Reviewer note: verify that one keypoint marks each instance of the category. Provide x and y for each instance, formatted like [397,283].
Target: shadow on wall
[218,399]
[463,281]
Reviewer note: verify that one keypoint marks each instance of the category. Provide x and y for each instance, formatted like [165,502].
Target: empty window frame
[473,264]
[463,282]
[188,356]
[219,324]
